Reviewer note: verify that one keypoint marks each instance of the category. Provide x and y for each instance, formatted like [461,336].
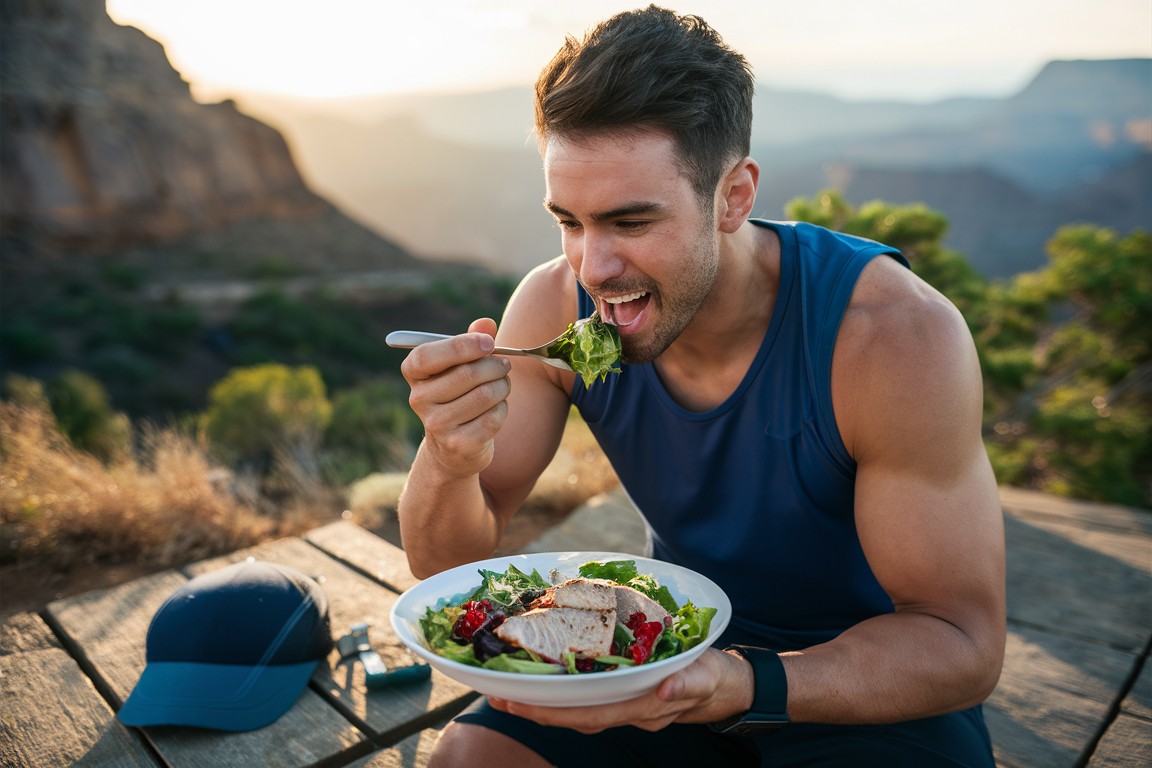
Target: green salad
[591,347]
[485,628]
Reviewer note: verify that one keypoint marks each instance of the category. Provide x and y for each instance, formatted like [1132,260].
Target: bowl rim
[404,613]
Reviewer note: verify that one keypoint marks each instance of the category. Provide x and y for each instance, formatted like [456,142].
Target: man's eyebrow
[628,209]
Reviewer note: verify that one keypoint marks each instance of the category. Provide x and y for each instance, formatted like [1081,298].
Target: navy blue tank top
[758,492]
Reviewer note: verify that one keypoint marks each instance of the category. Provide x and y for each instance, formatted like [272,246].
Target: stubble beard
[676,307]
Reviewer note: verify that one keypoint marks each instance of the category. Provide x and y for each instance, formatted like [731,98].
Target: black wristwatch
[769,702]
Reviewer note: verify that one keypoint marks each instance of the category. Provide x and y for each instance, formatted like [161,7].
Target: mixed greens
[591,347]
[464,630]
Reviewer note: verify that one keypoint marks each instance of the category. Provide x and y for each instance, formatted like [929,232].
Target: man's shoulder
[903,352]
[890,299]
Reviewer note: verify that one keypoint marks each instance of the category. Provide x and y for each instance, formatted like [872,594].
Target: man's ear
[737,195]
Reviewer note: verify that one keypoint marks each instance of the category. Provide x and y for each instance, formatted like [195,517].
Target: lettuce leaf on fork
[591,347]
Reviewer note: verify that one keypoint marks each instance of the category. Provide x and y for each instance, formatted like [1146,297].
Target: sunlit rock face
[104,146]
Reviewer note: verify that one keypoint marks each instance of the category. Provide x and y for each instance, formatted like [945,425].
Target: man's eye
[567,224]
[631,225]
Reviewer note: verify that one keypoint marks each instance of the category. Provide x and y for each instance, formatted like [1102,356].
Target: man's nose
[600,261]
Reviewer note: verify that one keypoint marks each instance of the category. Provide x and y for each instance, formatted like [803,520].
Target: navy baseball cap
[232,649]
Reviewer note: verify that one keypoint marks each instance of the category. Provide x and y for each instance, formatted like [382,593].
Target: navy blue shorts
[958,740]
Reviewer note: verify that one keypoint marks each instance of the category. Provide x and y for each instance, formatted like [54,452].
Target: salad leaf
[510,662]
[690,625]
[591,347]
[507,588]
[625,572]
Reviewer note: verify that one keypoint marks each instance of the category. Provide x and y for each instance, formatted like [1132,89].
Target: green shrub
[1065,351]
[82,411]
[372,430]
[25,342]
[125,277]
[256,413]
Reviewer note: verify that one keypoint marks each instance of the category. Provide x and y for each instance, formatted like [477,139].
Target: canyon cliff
[103,145]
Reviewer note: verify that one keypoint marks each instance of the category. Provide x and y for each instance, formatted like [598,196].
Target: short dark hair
[653,68]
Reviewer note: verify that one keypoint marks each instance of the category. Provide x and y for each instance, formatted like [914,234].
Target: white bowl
[556,690]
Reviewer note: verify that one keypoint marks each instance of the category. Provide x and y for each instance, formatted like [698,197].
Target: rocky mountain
[104,150]
[1073,122]
[154,243]
[459,174]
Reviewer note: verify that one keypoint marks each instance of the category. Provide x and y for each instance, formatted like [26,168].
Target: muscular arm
[491,426]
[908,399]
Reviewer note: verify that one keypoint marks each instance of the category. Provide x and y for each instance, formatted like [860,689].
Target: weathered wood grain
[1034,505]
[1079,578]
[1138,702]
[1081,581]
[50,713]
[111,627]
[380,559]
[25,632]
[412,752]
[1053,698]
[388,713]
[1127,744]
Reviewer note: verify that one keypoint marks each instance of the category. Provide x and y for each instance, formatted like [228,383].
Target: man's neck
[709,360]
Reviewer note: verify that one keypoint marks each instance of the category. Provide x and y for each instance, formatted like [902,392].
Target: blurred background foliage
[286,406]
[1065,350]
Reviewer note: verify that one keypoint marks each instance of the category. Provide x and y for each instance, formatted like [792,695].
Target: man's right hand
[459,391]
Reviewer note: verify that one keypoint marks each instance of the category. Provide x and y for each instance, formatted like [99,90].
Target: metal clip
[356,644]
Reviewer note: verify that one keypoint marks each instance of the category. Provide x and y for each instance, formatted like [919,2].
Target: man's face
[634,232]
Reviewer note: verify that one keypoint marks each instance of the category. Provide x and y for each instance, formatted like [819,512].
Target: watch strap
[769,711]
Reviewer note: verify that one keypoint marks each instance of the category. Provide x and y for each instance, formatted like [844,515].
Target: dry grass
[578,472]
[70,523]
[168,506]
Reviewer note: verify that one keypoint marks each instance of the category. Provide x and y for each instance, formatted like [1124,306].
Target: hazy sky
[906,49]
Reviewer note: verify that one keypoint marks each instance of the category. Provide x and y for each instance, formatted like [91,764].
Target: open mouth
[623,311]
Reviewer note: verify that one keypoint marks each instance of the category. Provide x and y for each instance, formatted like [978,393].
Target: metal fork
[410,339]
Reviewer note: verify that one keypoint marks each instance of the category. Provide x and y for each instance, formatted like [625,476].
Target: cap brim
[224,697]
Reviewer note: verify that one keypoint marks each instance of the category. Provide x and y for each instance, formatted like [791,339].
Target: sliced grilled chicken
[629,601]
[552,632]
[585,594]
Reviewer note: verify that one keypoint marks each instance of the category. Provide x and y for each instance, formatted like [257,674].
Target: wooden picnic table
[63,673]
[1076,691]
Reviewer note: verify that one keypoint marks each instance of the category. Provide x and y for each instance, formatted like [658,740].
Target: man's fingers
[434,358]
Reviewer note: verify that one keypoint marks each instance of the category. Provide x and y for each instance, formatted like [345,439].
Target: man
[798,417]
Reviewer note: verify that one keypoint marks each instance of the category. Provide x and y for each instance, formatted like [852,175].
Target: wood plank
[381,560]
[109,627]
[1138,702]
[1127,744]
[388,714]
[1080,581]
[24,633]
[50,713]
[412,752]
[1034,505]
[1053,698]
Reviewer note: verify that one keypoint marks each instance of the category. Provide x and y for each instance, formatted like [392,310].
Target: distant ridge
[459,174]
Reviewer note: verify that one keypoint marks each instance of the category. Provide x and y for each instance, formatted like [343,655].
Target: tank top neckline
[784,294]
